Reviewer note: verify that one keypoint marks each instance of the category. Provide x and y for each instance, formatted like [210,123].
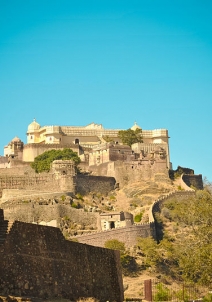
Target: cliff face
[37,261]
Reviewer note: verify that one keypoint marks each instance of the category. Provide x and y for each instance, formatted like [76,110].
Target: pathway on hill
[122,201]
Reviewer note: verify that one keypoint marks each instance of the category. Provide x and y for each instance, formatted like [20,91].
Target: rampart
[39,182]
[45,183]
[193,180]
[179,195]
[16,171]
[126,173]
[50,266]
[89,183]
[128,235]
[35,212]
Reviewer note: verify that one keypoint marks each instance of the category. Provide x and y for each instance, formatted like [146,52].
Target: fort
[106,165]
[80,139]
[104,161]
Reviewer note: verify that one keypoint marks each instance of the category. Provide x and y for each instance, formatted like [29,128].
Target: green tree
[115,244]
[42,163]
[149,250]
[129,136]
[194,250]
[191,248]
[129,265]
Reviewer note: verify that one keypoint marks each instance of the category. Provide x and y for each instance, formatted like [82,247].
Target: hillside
[79,214]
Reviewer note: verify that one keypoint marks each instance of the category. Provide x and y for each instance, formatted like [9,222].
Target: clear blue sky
[111,62]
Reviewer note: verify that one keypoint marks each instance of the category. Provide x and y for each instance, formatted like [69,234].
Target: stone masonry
[50,266]
[128,235]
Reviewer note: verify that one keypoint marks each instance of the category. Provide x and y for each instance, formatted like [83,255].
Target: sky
[111,62]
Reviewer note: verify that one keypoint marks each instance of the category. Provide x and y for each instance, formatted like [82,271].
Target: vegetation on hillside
[42,163]
[129,136]
[129,265]
[184,253]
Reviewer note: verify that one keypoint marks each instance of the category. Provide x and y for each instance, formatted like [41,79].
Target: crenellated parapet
[128,235]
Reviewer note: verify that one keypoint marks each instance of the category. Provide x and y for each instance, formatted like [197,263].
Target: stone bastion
[37,261]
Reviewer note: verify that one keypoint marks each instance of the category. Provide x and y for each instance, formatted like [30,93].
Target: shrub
[115,244]
[180,188]
[63,197]
[25,201]
[166,213]
[129,265]
[208,298]
[66,218]
[162,293]
[79,196]
[138,217]
[74,205]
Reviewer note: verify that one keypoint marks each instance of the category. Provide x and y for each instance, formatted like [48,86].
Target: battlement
[128,235]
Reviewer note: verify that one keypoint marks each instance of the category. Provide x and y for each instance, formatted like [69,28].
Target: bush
[138,217]
[208,298]
[74,205]
[79,196]
[166,213]
[63,197]
[162,293]
[129,265]
[115,244]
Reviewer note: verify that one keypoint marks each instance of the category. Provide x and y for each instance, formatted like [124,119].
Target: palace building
[79,138]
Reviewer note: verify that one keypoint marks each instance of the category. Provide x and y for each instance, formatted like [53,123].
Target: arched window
[76,141]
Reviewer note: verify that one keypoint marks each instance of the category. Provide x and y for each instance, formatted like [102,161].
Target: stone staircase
[5,226]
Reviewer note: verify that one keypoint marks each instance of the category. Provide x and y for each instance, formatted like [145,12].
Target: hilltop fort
[107,165]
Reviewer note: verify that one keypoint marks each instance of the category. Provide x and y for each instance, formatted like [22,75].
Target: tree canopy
[42,163]
[115,244]
[186,253]
[129,136]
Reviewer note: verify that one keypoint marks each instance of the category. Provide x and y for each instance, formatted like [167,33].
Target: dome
[15,139]
[135,126]
[33,126]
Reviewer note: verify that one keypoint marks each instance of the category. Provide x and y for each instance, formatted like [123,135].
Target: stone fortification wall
[16,171]
[128,235]
[3,162]
[35,212]
[50,266]
[101,169]
[49,183]
[17,163]
[31,151]
[27,194]
[39,182]
[88,183]
[193,180]
[149,147]
[157,205]
[179,195]
[131,172]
